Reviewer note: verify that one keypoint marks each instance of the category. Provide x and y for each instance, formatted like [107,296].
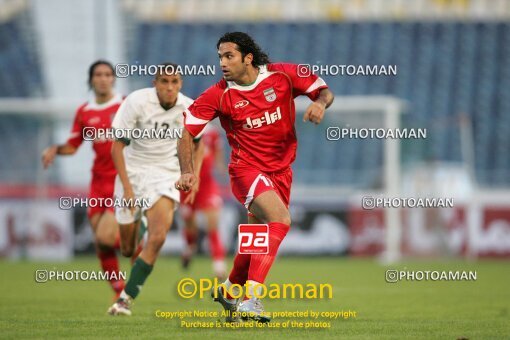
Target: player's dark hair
[167,68]
[92,68]
[245,44]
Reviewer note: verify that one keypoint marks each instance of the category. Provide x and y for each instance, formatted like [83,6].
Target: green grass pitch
[407,310]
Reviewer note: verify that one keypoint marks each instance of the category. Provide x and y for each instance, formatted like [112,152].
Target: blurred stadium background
[453,59]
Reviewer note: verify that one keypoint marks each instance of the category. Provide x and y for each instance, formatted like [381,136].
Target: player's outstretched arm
[315,111]
[49,154]
[185,154]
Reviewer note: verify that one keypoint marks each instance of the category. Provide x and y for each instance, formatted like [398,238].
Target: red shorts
[208,197]
[247,183]
[101,187]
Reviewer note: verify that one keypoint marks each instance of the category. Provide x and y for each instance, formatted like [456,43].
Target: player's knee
[191,227]
[104,240]
[104,246]
[282,217]
[127,251]
[157,239]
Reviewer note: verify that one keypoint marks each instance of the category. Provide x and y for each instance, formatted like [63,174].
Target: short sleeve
[204,109]
[76,137]
[304,82]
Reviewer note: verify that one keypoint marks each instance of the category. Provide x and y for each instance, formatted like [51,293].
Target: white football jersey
[142,111]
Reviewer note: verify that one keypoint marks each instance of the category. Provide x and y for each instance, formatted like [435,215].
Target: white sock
[253,289]
[219,268]
[234,289]
[123,295]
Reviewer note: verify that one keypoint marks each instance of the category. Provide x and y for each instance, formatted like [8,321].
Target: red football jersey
[258,118]
[97,116]
[212,143]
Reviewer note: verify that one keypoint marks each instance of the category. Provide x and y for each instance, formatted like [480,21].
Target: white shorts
[149,184]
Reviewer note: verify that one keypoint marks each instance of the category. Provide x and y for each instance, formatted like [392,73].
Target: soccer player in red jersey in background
[255,105]
[97,113]
[208,202]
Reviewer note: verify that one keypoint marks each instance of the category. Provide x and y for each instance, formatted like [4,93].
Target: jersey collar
[92,105]
[263,74]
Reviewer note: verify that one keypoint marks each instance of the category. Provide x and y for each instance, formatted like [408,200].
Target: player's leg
[236,279]
[128,237]
[215,244]
[105,247]
[267,208]
[159,220]
[239,273]
[246,183]
[128,219]
[190,233]
[142,228]
[106,231]
[267,198]
[208,202]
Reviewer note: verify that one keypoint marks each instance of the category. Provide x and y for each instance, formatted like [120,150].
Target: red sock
[239,273]
[261,263]
[190,236]
[110,264]
[217,251]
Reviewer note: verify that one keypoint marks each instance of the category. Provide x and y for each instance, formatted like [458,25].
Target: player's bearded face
[168,87]
[102,80]
[231,61]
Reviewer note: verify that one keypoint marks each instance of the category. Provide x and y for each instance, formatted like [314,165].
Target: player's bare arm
[185,154]
[49,154]
[198,155]
[120,164]
[197,161]
[315,111]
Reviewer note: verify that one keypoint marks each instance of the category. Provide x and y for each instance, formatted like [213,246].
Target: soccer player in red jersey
[206,201]
[97,114]
[255,105]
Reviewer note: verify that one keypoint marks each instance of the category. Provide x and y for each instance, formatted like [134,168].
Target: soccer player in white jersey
[147,169]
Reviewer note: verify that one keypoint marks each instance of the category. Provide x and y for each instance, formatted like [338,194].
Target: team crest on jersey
[94,120]
[270,94]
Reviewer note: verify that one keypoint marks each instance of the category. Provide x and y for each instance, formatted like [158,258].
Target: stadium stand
[21,77]
[21,74]
[445,69]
